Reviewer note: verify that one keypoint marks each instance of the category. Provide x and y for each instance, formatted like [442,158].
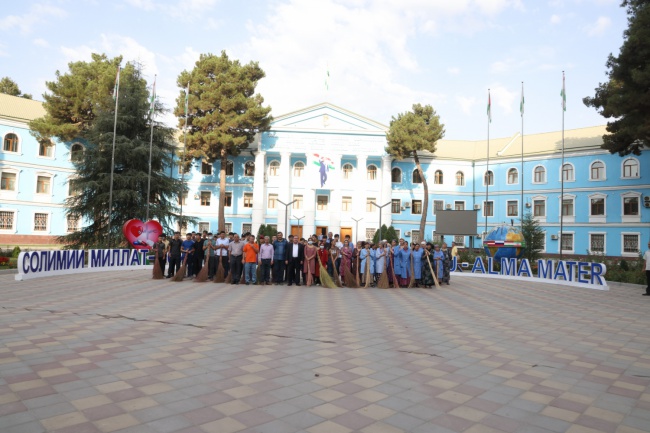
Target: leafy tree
[224,112]
[387,233]
[624,98]
[9,87]
[76,97]
[534,236]
[412,132]
[266,230]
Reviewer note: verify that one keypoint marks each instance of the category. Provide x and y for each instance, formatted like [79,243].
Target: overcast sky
[382,55]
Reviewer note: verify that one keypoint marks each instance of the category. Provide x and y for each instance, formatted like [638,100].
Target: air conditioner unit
[407,204]
[477,206]
[528,205]
[448,206]
[554,237]
[407,234]
[403,207]
[646,201]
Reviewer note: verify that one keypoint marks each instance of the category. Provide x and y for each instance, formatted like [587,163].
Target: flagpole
[521,176]
[151,110]
[110,190]
[562,168]
[180,223]
[487,169]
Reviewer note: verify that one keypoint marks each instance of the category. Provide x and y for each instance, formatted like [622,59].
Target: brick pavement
[108,353]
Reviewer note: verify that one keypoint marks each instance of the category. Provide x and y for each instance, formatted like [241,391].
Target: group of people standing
[300,261]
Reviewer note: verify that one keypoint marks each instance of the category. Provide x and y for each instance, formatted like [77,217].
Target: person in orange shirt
[250,260]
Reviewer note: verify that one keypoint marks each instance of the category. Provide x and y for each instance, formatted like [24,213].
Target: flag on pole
[521,104]
[153,98]
[117,83]
[327,78]
[489,107]
[563,94]
[187,98]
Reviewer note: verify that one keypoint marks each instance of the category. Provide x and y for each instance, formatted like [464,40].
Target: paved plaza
[119,352]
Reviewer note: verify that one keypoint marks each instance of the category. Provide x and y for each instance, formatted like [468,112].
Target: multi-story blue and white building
[331,164]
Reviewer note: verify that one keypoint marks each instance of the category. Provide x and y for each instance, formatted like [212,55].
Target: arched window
[513,176]
[45,148]
[597,171]
[347,171]
[539,174]
[437,177]
[371,172]
[460,178]
[396,175]
[274,168]
[10,143]
[568,174]
[230,168]
[249,168]
[298,168]
[630,168]
[76,152]
[416,176]
[488,179]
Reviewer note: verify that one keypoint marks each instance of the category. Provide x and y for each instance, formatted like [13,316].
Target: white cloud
[555,19]
[466,103]
[41,42]
[599,27]
[453,70]
[186,10]
[503,98]
[38,13]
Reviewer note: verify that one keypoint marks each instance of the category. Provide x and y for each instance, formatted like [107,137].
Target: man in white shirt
[646,257]
[221,252]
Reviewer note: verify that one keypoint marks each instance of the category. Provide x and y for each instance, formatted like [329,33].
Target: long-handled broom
[228,279]
[357,271]
[218,277]
[395,282]
[337,279]
[202,276]
[157,270]
[435,277]
[367,271]
[412,276]
[325,279]
[178,276]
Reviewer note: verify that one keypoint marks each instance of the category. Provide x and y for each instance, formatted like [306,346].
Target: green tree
[624,98]
[387,233]
[412,132]
[224,112]
[534,236]
[76,97]
[10,87]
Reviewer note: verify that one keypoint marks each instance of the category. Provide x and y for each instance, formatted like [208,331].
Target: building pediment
[326,117]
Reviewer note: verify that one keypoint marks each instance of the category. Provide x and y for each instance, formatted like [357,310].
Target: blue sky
[382,55]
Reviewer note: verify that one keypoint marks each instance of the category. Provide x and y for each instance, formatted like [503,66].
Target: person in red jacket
[323,256]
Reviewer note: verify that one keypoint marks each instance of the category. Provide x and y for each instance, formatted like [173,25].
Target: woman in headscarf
[380,260]
[438,258]
[417,264]
[396,264]
[427,266]
[403,257]
[446,264]
[364,260]
[346,258]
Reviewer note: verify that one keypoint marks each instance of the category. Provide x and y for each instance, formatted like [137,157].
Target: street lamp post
[380,208]
[296,218]
[356,230]
[286,216]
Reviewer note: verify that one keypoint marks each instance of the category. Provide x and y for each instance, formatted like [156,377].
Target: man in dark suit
[294,257]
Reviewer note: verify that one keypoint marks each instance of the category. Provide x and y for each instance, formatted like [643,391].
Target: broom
[202,276]
[157,270]
[411,277]
[383,279]
[367,271]
[325,279]
[218,277]
[357,269]
[435,277]
[395,283]
[178,276]
[228,279]
[337,279]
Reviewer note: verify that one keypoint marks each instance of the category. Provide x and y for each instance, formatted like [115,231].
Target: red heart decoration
[141,235]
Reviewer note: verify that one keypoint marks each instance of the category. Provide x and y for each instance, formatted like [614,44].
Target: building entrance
[296,231]
[346,231]
[321,232]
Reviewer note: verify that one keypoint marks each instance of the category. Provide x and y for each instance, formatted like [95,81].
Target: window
[76,152]
[371,172]
[321,202]
[72,223]
[370,234]
[249,168]
[396,206]
[488,208]
[230,168]
[539,208]
[630,206]
[45,148]
[597,207]
[416,207]
[597,242]
[298,168]
[567,207]
[10,143]
[184,197]
[346,204]
[437,177]
[488,179]
[205,198]
[297,201]
[274,168]
[228,202]
[272,202]
[248,199]
[630,168]
[568,174]
[597,171]
[246,228]
[415,236]
[513,176]
[7,220]
[347,171]
[630,244]
[206,168]
[416,176]
[438,205]
[539,174]
[40,222]
[567,242]
[459,240]
[398,233]
[396,175]
[204,226]
[73,190]
[460,178]
[369,205]
[43,184]
[227,227]
[8,182]
[459,205]
[512,208]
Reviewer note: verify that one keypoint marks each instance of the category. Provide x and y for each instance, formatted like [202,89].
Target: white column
[308,223]
[284,192]
[336,197]
[359,198]
[259,190]
[386,189]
